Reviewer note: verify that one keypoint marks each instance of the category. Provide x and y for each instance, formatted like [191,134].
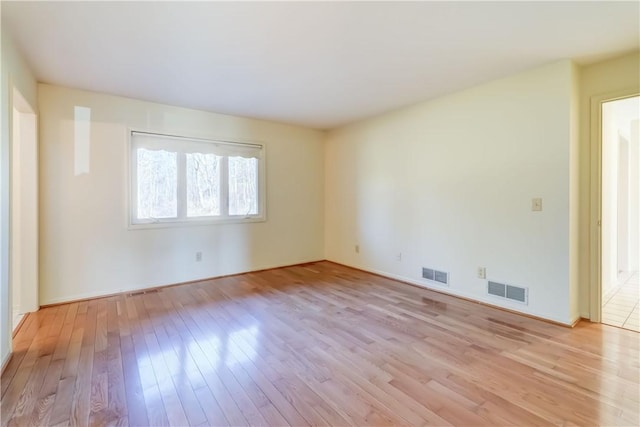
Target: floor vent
[514,293]
[150,291]
[440,277]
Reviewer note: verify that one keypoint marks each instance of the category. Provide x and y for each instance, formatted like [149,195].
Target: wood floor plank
[317,344]
[25,372]
[205,354]
[47,393]
[82,391]
[171,401]
[62,405]
[116,397]
[29,395]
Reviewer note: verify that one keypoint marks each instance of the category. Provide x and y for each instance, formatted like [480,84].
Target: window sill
[194,222]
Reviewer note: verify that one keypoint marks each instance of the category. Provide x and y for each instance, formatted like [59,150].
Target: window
[187,180]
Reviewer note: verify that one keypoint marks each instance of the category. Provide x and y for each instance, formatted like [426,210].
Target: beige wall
[85,246]
[616,76]
[448,184]
[574,196]
[15,74]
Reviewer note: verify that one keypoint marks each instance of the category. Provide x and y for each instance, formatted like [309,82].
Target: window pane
[157,184]
[243,186]
[203,184]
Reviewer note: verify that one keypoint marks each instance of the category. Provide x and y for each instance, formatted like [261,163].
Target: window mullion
[224,187]
[182,186]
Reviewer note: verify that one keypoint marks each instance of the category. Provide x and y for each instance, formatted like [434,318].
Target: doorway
[23,240]
[620,214]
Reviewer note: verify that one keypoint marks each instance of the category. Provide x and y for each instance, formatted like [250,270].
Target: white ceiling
[315,64]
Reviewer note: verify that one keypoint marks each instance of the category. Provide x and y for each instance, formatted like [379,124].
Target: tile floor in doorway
[622,306]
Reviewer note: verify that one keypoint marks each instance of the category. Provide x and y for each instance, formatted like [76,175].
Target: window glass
[157,184]
[243,186]
[203,184]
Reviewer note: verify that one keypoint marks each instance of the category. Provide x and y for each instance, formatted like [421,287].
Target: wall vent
[440,277]
[497,289]
[517,294]
[514,293]
[428,273]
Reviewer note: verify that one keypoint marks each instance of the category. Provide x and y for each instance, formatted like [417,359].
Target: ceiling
[317,64]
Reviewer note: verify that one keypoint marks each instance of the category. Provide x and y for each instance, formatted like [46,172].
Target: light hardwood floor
[319,344]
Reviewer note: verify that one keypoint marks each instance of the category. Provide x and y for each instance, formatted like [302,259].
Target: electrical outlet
[357,249]
[482,273]
[198,256]
[399,256]
[536,204]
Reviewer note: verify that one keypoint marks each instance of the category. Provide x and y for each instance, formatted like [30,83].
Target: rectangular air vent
[441,277]
[497,289]
[142,292]
[428,274]
[514,293]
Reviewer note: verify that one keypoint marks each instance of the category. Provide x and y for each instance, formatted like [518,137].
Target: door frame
[595,249]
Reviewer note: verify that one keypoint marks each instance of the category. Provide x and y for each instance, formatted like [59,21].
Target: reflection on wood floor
[318,344]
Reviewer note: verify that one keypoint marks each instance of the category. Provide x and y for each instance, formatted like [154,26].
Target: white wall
[620,191]
[448,183]
[610,158]
[24,209]
[85,246]
[15,258]
[623,205]
[634,196]
[14,73]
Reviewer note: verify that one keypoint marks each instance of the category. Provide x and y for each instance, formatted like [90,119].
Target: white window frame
[182,219]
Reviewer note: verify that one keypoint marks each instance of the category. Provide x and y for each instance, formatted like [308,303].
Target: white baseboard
[112,292]
[457,293]
[5,362]
[17,318]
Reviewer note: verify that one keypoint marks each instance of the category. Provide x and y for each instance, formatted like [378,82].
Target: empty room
[320,213]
